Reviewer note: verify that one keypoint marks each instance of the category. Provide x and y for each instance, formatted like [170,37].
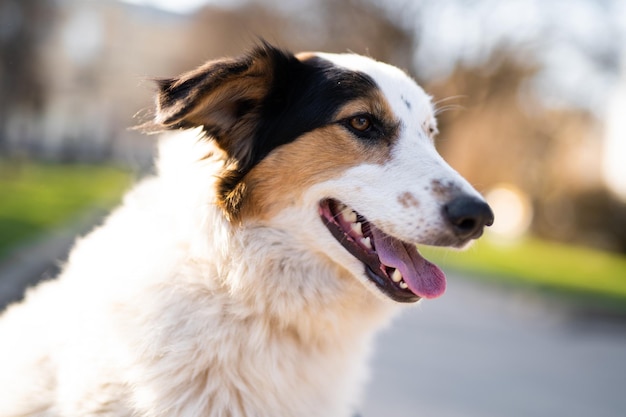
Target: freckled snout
[467,216]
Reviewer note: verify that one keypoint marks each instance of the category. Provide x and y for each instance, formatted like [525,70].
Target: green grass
[544,265]
[38,197]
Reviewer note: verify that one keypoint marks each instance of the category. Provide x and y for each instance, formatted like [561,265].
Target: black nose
[468,216]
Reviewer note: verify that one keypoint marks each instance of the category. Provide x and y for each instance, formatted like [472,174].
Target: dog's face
[338,149]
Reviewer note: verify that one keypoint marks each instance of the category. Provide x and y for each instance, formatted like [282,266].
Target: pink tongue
[423,278]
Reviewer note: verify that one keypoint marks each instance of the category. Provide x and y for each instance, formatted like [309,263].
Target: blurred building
[95,61]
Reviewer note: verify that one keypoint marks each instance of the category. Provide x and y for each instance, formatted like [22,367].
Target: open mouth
[395,266]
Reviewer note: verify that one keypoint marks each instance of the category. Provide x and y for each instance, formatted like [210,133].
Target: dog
[248,276]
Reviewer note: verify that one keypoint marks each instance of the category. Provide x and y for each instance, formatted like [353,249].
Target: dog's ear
[229,99]
[224,97]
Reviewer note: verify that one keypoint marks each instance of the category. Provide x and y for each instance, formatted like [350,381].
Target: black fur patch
[255,103]
[303,96]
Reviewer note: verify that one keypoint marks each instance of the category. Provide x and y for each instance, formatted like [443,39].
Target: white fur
[169,310]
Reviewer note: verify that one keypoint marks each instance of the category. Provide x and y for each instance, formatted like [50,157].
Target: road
[480,351]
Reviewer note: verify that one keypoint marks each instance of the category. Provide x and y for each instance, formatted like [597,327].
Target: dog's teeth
[366,242]
[349,215]
[403,285]
[356,228]
[396,276]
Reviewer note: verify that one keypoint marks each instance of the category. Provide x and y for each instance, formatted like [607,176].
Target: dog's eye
[360,123]
[367,127]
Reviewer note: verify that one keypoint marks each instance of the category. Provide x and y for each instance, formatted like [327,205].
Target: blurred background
[531,99]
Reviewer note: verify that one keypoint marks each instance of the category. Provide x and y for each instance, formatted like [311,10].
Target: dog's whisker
[447,106]
[443,109]
[449,98]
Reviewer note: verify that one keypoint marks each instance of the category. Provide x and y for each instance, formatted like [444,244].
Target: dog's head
[338,149]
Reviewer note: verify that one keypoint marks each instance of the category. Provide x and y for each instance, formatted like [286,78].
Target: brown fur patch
[281,178]
[303,56]
[441,189]
[408,200]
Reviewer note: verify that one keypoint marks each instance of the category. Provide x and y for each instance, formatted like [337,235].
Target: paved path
[484,352]
[27,265]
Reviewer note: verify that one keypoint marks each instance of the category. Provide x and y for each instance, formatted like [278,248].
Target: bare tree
[23,25]
[332,26]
